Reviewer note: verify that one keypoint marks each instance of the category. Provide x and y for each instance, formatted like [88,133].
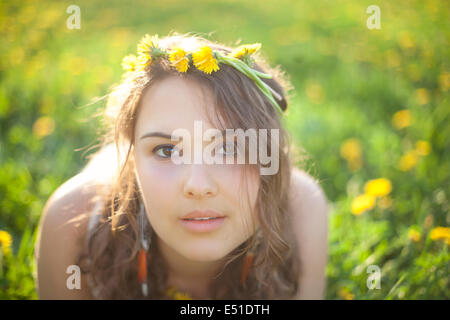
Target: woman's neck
[192,277]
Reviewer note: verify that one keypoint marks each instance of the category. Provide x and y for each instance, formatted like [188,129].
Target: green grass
[349,82]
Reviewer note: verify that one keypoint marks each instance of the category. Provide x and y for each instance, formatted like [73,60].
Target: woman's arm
[309,211]
[62,229]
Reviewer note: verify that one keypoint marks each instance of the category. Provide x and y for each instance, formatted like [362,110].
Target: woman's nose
[199,183]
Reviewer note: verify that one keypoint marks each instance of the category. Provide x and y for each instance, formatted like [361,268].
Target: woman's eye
[164,151]
[227,148]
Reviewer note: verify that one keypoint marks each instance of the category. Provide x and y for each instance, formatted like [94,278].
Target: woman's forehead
[175,103]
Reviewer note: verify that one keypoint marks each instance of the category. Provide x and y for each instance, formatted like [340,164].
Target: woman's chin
[204,254]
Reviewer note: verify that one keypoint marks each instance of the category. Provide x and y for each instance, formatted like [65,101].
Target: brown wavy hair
[110,255]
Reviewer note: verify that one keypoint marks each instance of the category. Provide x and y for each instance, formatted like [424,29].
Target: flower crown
[204,59]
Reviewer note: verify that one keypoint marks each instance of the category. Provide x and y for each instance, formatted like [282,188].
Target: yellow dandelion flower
[314,91]
[414,235]
[423,147]
[408,161]
[351,151]
[147,44]
[244,50]
[346,294]
[43,126]
[179,59]
[143,61]
[5,241]
[401,119]
[422,96]
[378,187]
[444,81]
[440,233]
[362,203]
[130,63]
[406,40]
[204,60]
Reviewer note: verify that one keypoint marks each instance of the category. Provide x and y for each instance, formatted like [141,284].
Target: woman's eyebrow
[156,134]
[168,136]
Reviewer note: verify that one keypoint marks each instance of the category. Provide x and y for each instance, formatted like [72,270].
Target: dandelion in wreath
[203,58]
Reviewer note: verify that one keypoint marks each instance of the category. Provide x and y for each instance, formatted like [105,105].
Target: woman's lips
[203,214]
[203,225]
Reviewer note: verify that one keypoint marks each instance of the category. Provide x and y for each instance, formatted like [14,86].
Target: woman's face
[172,190]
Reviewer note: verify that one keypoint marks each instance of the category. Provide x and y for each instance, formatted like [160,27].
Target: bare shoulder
[62,229]
[308,207]
[306,188]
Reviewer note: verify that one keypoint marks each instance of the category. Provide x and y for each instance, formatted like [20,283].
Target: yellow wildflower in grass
[402,119]
[204,60]
[5,242]
[244,50]
[378,187]
[414,235]
[362,203]
[75,65]
[130,63]
[423,147]
[440,233]
[405,40]
[408,161]
[314,91]
[43,126]
[422,96]
[444,81]
[351,151]
[179,59]
[346,294]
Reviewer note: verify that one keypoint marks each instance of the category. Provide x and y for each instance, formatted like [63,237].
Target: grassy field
[370,110]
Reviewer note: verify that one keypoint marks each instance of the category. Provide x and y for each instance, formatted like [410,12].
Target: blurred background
[370,115]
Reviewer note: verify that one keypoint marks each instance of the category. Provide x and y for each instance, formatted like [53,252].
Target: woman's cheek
[235,186]
[227,175]
[233,177]
[163,171]
[157,179]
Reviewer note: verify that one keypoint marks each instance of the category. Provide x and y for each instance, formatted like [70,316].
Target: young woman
[139,225]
